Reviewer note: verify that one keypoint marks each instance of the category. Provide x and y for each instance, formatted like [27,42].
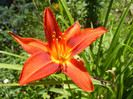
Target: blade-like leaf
[117,32]
[67,11]
[4,52]
[95,82]
[60,91]
[63,20]
[128,47]
[11,66]
[109,59]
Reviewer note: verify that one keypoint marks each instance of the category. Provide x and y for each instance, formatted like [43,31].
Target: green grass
[112,52]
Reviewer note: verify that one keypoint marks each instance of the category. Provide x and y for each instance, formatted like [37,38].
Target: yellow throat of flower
[59,50]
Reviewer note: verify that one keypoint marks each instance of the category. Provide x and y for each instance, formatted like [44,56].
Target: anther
[60,37]
[53,39]
[54,32]
[64,38]
[62,33]
[53,36]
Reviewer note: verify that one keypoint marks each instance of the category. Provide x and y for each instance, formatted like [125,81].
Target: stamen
[60,37]
[56,46]
[53,36]
[61,49]
[60,46]
[54,32]
[62,33]
[64,47]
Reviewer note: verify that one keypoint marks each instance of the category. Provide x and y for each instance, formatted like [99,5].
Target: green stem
[11,66]
[63,20]
[41,83]
[86,62]
[4,52]
[67,11]
[94,80]
[116,36]
[131,60]
[105,23]
[107,15]
[69,87]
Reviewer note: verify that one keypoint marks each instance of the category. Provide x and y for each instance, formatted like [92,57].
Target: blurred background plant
[113,52]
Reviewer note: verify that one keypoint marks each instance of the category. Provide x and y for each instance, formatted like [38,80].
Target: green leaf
[63,20]
[60,91]
[86,62]
[110,58]
[130,95]
[67,11]
[11,66]
[128,47]
[117,32]
[60,8]
[95,82]
[12,84]
[4,52]
[105,23]
[124,69]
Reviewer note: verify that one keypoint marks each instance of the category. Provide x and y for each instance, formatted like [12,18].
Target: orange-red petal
[30,45]
[50,26]
[77,72]
[79,42]
[72,30]
[37,66]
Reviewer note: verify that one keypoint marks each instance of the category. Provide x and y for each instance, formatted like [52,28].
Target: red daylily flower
[48,58]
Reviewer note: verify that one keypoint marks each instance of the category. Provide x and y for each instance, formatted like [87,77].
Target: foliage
[17,18]
[109,58]
[85,11]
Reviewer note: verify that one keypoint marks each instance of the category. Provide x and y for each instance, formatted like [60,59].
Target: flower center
[59,48]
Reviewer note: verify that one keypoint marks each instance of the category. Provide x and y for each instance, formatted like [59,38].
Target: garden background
[110,57]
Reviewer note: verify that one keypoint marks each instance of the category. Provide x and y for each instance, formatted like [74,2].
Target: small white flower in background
[5,81]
